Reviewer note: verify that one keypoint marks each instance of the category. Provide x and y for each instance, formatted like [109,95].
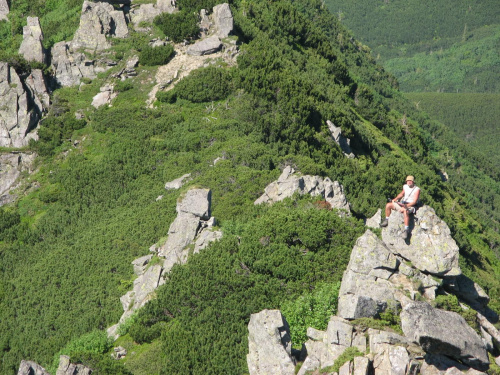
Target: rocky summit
[404,278]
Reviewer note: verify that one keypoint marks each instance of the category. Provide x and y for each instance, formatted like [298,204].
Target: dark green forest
[445,46]
[90,209]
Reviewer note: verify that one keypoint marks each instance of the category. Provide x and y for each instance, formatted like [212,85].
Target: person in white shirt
[404,202]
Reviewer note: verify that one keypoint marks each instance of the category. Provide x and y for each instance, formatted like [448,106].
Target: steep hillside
[97,200]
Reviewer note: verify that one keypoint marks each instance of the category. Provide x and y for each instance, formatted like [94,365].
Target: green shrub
[101,364]
[166,96]
[156,55]
[348,355]
[205,84]
[178,26]
[122,86]
[311,310]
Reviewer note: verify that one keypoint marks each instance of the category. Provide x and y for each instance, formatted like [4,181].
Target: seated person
[409,197]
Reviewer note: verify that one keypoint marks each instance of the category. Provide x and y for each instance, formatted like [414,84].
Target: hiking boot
[384,223]
[405,234]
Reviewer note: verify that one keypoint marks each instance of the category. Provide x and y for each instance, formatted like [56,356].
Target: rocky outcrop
[434,342]
[191,232]
[444,333]
[31,368]
[166,6]
[223,20]
[18,116]
[374,221]
[178,182]
[430,247]
[31,47]
[343,142]
[68,368]
[97,22]
[70,66]
[269,344]
[144,13]
[11,166]
[193,217]
[104,97]
[4,10]
[37,84]
[289,183]
[205,46]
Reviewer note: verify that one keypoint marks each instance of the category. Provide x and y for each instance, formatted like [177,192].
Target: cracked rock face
[430,247]
[17,115]
[444,333]
[98,21]
[4,10]
[31,47]
[269,344]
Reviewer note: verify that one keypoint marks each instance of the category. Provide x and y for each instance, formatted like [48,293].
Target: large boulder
[223,20]
[68,368]
[323,347]
[205,46]
[467,290]
[98,21]
[11,166]
[166,6]
[178,182]
[144,13]
[430,247]
[17,116]
[31,47]
[4,10]
[70,66]
[444,333]
[366,290]
[289,183]
[31,368]
[269,344]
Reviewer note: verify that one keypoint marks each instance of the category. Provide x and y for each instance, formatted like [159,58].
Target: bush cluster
[156,55]
[178,26]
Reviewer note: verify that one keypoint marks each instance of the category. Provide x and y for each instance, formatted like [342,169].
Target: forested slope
[447,46]
[92,206]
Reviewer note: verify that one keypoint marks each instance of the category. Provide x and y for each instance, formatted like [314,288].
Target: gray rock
[119,352]
[205,22]
[361,366]
[31,368]
[343,142]
[141,263]
[31,47]
[4,10]
[196,202]
[223,20]
[145,285]
[289,183]
[205,237]
[269,344]
[374,221]
[36,83]
[206,46]
[145,13]
[104,97]
[17,117]
[467,290]
[430,248]
[132,62]
[346,368]
[339,332]
[166,6]
[380,340]
[178,182]
[393,360]
[68,368]
[445,333]
[365,290]
[98,21]
[11,166]
[435,364]
[70,66]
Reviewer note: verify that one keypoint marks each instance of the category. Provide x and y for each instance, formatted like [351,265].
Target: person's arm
[399,196]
